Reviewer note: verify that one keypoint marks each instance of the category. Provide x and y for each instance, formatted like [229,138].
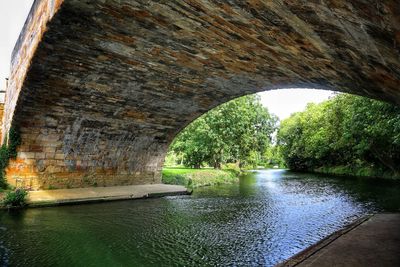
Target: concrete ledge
[304,254]
[46,198]
[373,240]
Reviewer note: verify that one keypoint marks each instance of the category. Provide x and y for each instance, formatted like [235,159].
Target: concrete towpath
[98,194]
[373,241]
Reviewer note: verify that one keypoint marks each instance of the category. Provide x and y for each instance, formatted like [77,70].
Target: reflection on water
[267,217]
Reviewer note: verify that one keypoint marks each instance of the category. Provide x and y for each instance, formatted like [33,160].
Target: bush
[192,178]
[15,198]
[174,179]
[232,167]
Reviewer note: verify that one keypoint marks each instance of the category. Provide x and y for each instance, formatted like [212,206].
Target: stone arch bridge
[98,89]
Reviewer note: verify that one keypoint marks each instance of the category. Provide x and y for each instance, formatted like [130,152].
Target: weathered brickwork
[100,88]
[32,32]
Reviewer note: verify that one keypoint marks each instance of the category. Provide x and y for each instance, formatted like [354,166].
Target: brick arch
[100,88]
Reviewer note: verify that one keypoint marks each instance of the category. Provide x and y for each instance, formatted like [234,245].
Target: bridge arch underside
[112,82]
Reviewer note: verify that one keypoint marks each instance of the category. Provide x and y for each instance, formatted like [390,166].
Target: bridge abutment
[47,159]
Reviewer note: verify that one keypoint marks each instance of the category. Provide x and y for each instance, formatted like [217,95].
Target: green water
[267,217]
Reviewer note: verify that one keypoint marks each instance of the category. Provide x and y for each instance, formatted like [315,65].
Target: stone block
[35,148]
[26,155]
[59,156]
[40,155]
[49,149]
[50,155]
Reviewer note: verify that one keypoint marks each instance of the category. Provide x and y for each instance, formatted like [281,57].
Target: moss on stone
[8,151]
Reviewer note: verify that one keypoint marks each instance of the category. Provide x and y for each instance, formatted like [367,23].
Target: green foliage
[15,198]
[3,183]
[233,168]
[14,142]
[171,159]
[7,152]
[4,156]
[273,157]
[237,131]
[192,178]
[347,130]
[175,179]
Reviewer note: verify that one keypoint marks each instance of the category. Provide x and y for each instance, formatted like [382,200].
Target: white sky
[284,102]
[14,12]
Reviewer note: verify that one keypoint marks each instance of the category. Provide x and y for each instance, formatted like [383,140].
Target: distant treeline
[350,131]
[346,134]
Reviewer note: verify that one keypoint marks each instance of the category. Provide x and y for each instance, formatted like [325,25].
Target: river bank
[59,197]
[267,217]
[369,241]
[357,171]
[193,178]
[175,181]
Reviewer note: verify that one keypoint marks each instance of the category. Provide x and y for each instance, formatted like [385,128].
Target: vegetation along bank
[193,178]
[219,145]
[345,135]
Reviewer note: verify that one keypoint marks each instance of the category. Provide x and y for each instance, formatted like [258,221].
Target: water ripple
[265,219]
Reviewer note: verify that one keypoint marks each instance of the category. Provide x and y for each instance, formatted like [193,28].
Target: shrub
[15,198]
[232,168]
[174,179]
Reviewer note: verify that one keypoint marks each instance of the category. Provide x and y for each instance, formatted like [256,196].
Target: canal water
[269,216]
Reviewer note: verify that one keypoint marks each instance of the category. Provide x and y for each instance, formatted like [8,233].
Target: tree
[232,132]
[345,130]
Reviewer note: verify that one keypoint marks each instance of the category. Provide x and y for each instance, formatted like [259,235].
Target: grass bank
[359,171]
[193,178]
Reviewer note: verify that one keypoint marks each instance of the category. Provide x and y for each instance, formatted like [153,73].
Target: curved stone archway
[100,88]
